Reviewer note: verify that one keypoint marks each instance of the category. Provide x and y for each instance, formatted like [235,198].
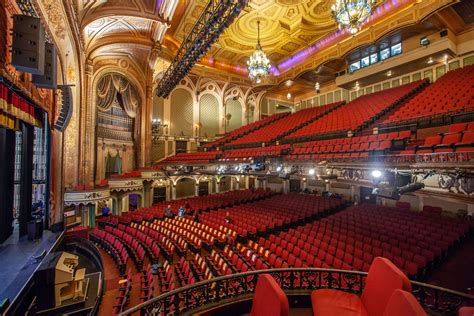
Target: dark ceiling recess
[465,9]
[216,17]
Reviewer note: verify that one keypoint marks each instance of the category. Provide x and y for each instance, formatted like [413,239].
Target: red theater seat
[403,303]
[269,299]
[466,311]
[382,280]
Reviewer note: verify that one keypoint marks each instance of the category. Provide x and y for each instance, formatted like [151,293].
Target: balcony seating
[356,113]
[275,130]
[381,282]
[269,298]
[246,129]
[403,303]
[450,93]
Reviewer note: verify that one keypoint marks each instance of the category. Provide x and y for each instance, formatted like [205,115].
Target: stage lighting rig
[216,17]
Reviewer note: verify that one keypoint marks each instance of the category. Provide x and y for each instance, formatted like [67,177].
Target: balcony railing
[210,294]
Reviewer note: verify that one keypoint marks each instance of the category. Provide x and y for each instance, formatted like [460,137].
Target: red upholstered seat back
[269,299]
[403,303]
[383,278]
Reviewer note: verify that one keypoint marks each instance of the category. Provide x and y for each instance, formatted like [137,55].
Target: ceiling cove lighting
[351,14]
[258,63]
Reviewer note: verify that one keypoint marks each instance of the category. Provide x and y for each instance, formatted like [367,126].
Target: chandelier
[258,63]
[350,14]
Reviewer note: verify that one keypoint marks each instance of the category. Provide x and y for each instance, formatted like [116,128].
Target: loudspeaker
[28,45]
[443,33]
[48,79]
[66,109]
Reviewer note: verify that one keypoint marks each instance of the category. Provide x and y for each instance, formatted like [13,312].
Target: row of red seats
[358,112]
[446,143]
[193,157]
[278,128]
[135,248]
[239,132]
[270,213]
[246,153]
[113,246]
[341,148]
[123,298]
[452,92]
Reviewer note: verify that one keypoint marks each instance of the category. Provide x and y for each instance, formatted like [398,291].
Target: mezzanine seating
[356,113]
[453,92]
[347,148]
[277,129]
[246,129]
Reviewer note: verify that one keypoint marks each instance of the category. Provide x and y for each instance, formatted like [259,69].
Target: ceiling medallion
[351,14]
[259,65]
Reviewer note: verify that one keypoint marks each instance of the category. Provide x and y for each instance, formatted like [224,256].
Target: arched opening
[185,188]
[134,202]
[225,184]
[182,113]
[118,105]
[233,114]
[208,115]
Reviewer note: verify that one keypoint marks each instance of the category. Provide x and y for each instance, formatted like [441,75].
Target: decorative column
[218,189]
[286,186]
[237,184]
[168,192]
[232,183]
[209,186]
[421,203]
[327,185]
[87,129]
[173,191]
[257,183]
[304,184]
[196,188]
[264,182]
[247,182]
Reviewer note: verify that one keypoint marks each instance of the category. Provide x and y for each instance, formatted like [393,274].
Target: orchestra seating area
[321,133]
[276,231]
[350,239]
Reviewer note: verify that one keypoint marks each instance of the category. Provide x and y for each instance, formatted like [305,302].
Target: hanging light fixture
[259,65]
[351,14]
[317,87]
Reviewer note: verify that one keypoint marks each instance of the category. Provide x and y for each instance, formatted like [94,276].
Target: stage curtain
[112,86]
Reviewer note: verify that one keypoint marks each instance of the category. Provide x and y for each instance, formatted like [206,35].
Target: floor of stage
[17,263]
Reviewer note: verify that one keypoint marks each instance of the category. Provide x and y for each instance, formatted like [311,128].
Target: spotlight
[278,169]
[311,172]
[376,174]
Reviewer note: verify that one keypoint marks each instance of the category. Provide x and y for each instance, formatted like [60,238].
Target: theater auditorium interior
[237,157]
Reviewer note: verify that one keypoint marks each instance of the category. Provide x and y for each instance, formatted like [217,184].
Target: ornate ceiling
[286,27]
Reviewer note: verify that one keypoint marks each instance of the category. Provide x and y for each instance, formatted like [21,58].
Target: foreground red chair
[382,280]
[403,303]
[269,299]
[466,311]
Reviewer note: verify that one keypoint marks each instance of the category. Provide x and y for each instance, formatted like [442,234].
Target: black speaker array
[66,109]
[48,79]
[31,53]
[28,45]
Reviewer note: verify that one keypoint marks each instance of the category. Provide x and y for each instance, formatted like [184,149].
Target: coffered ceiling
[286,26]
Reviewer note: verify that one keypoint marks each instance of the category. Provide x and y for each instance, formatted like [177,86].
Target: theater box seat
[403,303]
[382,280]
[269,299]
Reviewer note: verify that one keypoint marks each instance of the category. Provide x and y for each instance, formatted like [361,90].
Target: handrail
[300,281]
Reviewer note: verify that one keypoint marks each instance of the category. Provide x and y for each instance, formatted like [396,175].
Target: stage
[17,262]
